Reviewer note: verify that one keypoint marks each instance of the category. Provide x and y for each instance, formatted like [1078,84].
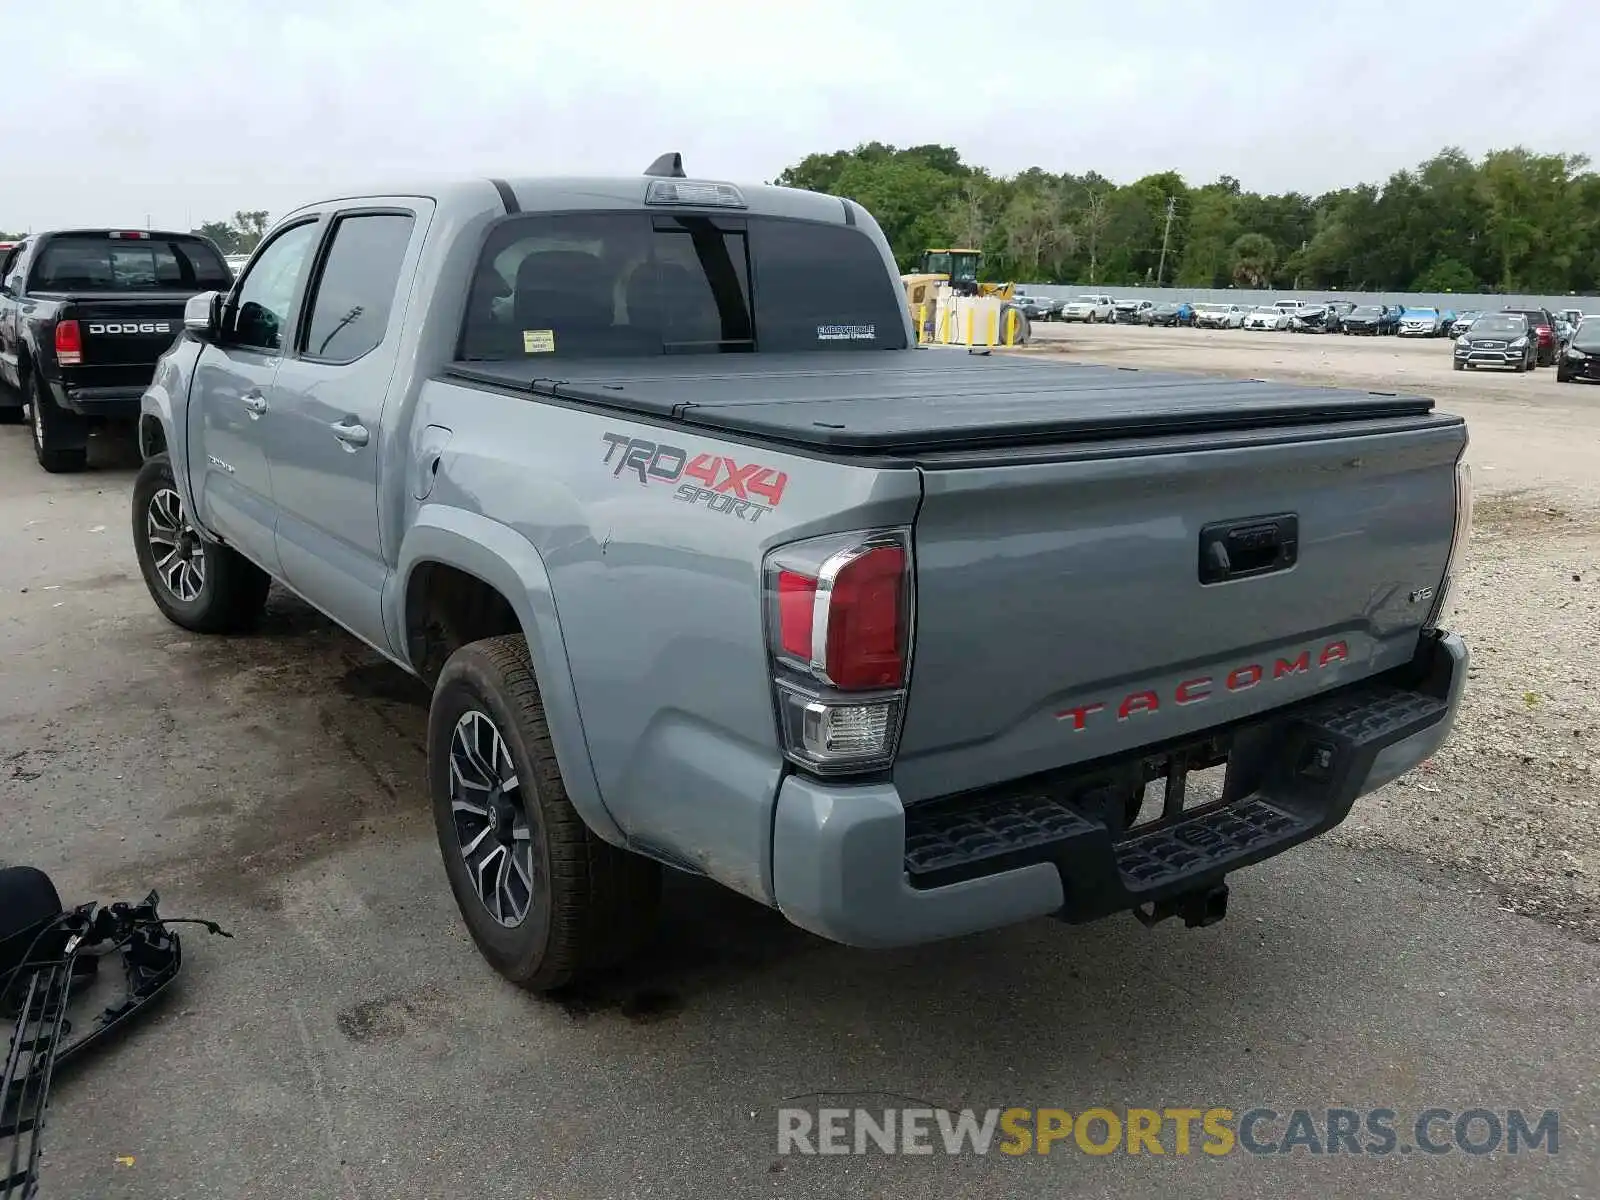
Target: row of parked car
[1297,316]
[1525,338]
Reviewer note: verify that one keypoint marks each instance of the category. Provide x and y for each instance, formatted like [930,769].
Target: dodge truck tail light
[839,615]
[69,343]
[1458,542]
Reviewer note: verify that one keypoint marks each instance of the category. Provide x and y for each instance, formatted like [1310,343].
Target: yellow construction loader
[957,323]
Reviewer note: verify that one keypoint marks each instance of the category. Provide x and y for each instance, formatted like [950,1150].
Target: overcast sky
[185,110]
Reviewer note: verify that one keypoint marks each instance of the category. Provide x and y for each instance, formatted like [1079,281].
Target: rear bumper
[120,402]
[852,864]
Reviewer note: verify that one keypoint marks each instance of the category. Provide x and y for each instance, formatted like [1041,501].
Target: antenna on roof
[669,166]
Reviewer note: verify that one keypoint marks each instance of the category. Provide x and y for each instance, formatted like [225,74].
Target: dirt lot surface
[1442,948]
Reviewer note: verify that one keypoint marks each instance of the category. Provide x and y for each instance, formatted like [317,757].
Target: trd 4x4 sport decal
[745,491]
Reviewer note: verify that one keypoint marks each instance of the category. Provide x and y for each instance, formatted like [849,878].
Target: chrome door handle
[256,403]
[351,435]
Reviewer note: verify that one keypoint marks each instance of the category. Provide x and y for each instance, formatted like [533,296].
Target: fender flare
[166,400]
[508,562]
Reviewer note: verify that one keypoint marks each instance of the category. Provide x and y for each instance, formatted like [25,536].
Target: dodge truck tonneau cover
[84,315]
[710,566]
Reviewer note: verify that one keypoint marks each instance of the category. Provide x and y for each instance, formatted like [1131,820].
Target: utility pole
[1166,230]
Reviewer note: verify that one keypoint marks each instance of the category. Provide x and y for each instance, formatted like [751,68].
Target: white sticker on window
[847,333]
[538,341]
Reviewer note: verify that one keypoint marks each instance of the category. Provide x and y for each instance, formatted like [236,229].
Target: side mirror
[202,315]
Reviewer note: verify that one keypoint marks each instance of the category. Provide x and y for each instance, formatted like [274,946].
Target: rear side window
[356,291]
[97,263]
[607,285]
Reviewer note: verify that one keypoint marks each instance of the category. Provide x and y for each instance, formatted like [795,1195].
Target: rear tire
[197,584]
[60,438]
[584,903]
[12,415]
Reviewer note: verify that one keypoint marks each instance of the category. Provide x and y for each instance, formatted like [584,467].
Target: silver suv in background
[1089,308]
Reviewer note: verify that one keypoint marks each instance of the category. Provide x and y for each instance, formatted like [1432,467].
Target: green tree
[1515,219]
[223,234]
[1038,238]
[1209,234]
[1253,256]
[1447,275]
[252,227]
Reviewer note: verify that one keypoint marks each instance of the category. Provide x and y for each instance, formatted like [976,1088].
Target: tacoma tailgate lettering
[1193,691]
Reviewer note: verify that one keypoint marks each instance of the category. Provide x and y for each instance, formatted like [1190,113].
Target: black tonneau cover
[927,400]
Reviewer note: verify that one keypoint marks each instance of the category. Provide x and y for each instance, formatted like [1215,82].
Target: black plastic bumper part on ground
[1290,777]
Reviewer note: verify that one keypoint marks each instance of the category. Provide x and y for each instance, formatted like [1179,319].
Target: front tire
[545,899]
[197,584]
[60,438]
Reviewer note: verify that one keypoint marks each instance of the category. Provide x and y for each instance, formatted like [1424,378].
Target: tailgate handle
[1245,548]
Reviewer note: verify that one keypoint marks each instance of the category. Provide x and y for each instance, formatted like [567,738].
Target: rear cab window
[99,262]
[637,284]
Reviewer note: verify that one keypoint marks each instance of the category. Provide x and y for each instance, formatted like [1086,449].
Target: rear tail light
[839,616]
[69,343]
[136,234]
[1458,542]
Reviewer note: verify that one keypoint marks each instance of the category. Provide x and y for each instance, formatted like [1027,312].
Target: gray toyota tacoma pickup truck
[710,567]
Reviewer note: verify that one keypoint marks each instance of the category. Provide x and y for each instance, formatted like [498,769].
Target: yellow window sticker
[538,341]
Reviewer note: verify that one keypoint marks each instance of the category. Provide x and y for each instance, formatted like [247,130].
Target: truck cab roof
[532,193]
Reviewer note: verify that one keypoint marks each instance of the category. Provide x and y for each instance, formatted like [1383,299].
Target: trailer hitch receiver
[1199,908]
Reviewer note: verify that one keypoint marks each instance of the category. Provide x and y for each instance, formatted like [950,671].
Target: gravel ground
[1514,797]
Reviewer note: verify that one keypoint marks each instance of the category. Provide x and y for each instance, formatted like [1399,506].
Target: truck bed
[924,401]
[1069,606]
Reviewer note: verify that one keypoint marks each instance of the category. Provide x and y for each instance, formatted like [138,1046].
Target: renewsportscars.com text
[1215,1132]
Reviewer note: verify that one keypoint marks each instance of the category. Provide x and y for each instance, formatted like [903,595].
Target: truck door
[327,447]
[232,399]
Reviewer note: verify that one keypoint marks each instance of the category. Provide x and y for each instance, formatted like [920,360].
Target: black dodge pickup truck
[84,315]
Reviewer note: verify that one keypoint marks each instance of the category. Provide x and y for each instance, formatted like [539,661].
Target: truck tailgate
[123,336]
[1063,610]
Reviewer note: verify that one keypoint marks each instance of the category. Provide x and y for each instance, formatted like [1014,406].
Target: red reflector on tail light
[69,343]
[797,596]
[866,614]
